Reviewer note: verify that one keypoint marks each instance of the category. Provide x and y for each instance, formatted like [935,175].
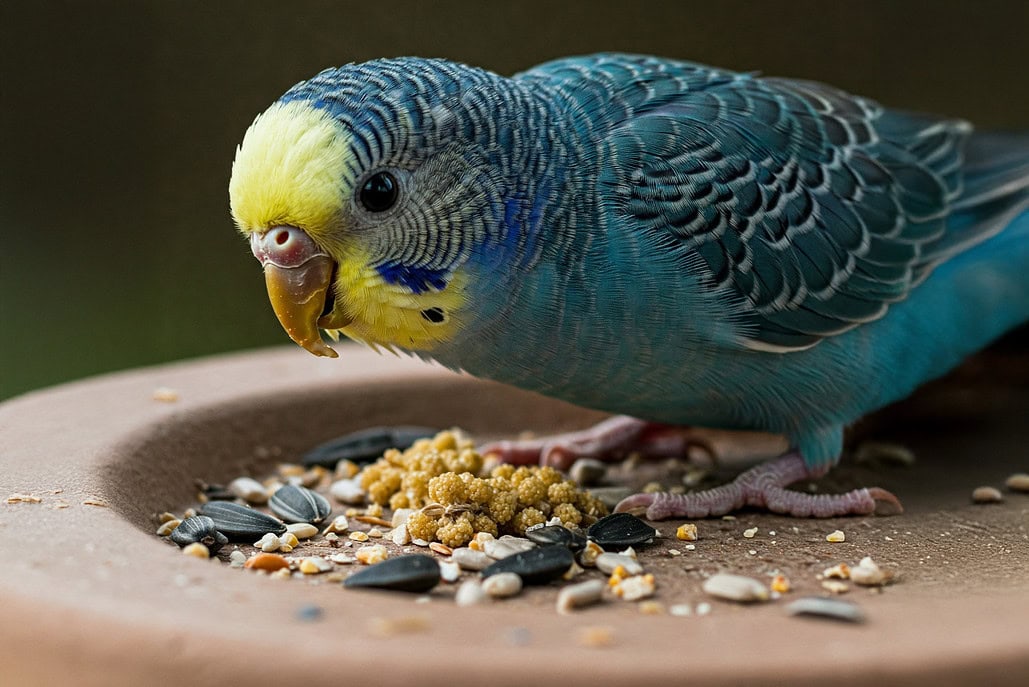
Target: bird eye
[379,192]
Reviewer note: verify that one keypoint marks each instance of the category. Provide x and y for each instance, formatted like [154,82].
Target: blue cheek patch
[416,279]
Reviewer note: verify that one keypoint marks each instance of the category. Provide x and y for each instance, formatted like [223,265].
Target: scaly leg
[612,439]
[763,487]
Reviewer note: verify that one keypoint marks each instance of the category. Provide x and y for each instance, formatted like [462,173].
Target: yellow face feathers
[388,314]
[289,170]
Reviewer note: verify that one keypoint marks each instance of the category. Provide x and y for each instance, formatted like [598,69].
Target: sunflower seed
[240,523]
[620,530]
[538,566]
[199,529]
[364,446]
[411,573]
[556,534]
[299,504]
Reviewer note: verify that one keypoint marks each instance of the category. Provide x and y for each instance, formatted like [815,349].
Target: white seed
[868,574]
[359,536]
[635,588]
[338,524]
[680,610]
[449,571]
[836,536]
[375,533]
[400,516]
[372,554]
[347,491]
[268,543]
[166,528]
[502,548]
[588,556]
[237,558]
[302,530]
[502,585]
[630,552]
[196,549]
[608,562]
[840,571]
[342,559]
[1018,482]
[288,539]
[314,565]
[578,595]
[703,608]
[749,534]
[470,559]
[835,586]
[400,536]
[987,495]
[470,593]
[735,588]
[248,489]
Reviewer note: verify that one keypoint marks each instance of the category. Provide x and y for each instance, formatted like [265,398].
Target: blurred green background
[120,120]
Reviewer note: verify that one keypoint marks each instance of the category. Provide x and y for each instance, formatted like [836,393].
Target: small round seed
[502,585]
[987,495]
[248,489]
[1018,482]
[470,593]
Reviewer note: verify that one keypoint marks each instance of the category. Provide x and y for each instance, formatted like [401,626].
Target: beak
[298,274]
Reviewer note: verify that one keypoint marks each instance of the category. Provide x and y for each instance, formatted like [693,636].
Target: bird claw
[613,439]
[763,487]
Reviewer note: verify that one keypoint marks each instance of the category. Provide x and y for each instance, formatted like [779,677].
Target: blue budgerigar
[676,243]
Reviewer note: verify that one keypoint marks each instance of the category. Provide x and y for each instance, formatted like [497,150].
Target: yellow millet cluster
[443,479]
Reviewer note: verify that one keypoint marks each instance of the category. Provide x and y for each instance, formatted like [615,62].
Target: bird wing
[812,208]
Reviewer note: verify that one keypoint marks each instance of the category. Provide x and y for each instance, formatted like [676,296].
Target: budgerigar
[677,243]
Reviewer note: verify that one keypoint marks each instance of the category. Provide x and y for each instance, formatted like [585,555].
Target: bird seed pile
[444,479]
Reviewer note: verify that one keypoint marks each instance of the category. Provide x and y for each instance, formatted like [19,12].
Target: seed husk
[823,607]
[199,529]
[537,566]
[415,573]
[365,446]
[619,530]
[294,503]
[240,523]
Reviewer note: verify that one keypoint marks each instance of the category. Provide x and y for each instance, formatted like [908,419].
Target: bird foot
[613,439]
[763,487]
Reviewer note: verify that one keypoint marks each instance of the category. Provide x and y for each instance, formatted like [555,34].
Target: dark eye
[379,192]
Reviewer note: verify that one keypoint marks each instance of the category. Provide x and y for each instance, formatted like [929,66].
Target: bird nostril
[282,237]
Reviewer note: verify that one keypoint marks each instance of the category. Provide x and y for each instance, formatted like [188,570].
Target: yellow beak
[298,275]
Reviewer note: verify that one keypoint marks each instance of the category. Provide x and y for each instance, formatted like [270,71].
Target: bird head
[366,200]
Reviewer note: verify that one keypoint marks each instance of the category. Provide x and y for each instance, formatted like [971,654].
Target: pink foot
[762,487]
[612,439]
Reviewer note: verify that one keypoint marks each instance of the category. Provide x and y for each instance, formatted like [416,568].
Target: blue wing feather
[816,208]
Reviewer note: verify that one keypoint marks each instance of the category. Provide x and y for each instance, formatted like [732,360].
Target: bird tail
[994,191]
